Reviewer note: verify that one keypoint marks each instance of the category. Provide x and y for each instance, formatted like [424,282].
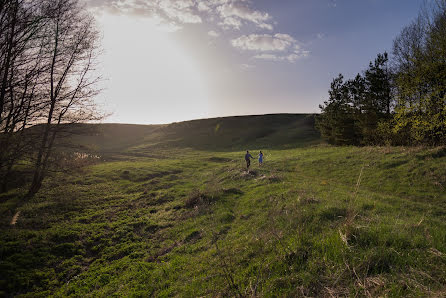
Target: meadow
[171,211]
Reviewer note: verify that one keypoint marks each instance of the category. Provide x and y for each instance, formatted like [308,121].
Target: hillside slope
[216,134]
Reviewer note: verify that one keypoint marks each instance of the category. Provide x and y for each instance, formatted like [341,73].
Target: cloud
[230,14]
[293,57]
[202,6]
[266,26]
[212,33]
[231,23]
[240,11]
[277,47]
[132,7]
[247,66]
[272,57]
[263,42]
[180,10]
[169,13]
[172,15]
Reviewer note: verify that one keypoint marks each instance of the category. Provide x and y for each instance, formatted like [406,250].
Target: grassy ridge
[216,134]
[189,222]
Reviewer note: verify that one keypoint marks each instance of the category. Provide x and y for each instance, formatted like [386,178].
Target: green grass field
[172,211]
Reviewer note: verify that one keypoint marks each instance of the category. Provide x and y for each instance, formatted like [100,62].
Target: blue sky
[174,60]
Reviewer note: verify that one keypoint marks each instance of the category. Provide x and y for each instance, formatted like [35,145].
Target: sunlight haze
[173,60]
[149,77]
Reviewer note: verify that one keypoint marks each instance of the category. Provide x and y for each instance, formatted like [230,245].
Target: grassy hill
[172,211]
[216,134]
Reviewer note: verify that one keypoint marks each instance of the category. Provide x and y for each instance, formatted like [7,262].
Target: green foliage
[420,52]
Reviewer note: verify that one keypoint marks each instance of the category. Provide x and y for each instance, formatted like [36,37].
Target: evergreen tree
[377,100]
[336,121]
[356,107]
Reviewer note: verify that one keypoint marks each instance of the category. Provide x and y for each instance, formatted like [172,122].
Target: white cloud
[293,57]
[219,2]
[231,23]
[240,11]
[181,10]
[266,26]
[133,7]
[173,13]
[278,47]
[202,6]
[212,33]
[297,55]
[264,42]
[272,57]
[247,66]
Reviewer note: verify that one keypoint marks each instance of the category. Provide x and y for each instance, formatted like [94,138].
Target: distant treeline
[398,100]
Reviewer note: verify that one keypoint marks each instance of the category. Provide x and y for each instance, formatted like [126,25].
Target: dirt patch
[249,174]
[198,199]
[271,178]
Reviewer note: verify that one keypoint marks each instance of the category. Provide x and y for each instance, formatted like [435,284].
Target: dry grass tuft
[436,252]
[15,218]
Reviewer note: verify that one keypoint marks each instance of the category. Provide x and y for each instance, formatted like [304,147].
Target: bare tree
[20,64]
[48,49]
[71,49]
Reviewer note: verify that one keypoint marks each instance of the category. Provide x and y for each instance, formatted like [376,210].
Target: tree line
[397,100]
[48,51]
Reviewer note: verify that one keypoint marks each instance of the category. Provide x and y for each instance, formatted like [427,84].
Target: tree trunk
[35,185]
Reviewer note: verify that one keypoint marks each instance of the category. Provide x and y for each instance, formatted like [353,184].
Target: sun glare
[144,67]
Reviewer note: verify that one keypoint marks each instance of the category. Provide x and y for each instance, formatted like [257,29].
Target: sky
[166,61]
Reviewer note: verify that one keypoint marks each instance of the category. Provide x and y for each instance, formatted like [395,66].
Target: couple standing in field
[248,157]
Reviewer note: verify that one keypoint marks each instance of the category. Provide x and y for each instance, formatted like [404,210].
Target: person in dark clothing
[247,159]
